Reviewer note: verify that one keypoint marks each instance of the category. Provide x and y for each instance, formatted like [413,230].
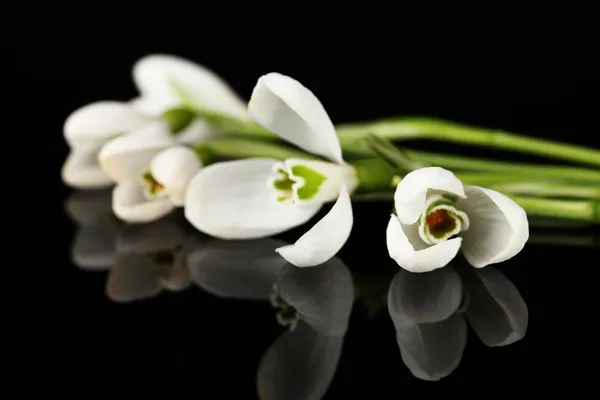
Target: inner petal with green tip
[296,183]
[152,188]
[441,220]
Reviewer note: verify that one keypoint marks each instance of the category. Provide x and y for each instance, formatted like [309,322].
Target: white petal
[102,120]
[411,253]
[232,200]
[411,192]
[325,239]
[128,156]
[81,170]
[173,168]
[130,205]
[157,76]
[499,227]
[146,106]
[197,132]
[286,107]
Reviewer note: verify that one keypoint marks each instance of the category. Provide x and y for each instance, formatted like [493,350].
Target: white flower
[86,130]
[436,217]
[151,171]
[259,197]
[161,80]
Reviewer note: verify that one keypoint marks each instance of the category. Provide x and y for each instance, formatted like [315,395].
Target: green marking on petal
[153,186]
[312,181]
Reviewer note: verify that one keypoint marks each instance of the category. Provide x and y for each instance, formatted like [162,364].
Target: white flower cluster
[154,169]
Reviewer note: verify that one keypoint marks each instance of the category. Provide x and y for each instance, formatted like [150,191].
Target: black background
[193,342]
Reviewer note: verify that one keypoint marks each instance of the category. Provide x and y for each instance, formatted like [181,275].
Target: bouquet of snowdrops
[249,170]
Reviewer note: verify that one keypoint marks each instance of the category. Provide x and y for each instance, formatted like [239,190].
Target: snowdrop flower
[151,171]
[436,216]
[164,82]
[86,130]
[259,197]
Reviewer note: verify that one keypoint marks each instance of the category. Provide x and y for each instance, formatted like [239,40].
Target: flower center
[441,220]
[295,184]
[286,314]
[152,187]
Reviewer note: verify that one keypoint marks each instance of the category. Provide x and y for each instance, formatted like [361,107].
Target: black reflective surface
[121,310]
[252,325]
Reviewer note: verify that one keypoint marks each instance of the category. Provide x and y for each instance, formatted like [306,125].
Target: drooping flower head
[436,216]
[259,197]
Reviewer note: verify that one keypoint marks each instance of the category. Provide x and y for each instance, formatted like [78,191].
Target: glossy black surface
[161,292]
[132,309]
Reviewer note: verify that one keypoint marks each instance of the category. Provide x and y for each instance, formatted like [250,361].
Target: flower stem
[578,210]
[351,135]
[477,164]
[246,148]
[437,129]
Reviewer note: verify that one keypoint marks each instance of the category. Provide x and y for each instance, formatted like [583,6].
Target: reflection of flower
[429,310]
[436,217]
[142,260]
[315,303]
[258,197]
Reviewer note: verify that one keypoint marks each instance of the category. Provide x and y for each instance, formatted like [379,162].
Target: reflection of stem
[549,239]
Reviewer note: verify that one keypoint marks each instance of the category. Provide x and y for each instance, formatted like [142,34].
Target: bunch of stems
[566,191]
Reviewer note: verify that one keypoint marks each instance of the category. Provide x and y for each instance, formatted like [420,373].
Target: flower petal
[159,76]
[301,364]
[129,156]
[101,120]
[286,107]
[174,168]
[433,351]
[414,188]
[325,239]
[232,200]
[130,205]
[322,297]
[411,253]
[82,170]
[236,269]
[496,311]
[424,298]
[334,175]
[499,227]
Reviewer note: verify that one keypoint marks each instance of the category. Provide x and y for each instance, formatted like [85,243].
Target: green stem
[436,129]
[351,136]
[478,164]
[578,210]
[546,189]
[246,148]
